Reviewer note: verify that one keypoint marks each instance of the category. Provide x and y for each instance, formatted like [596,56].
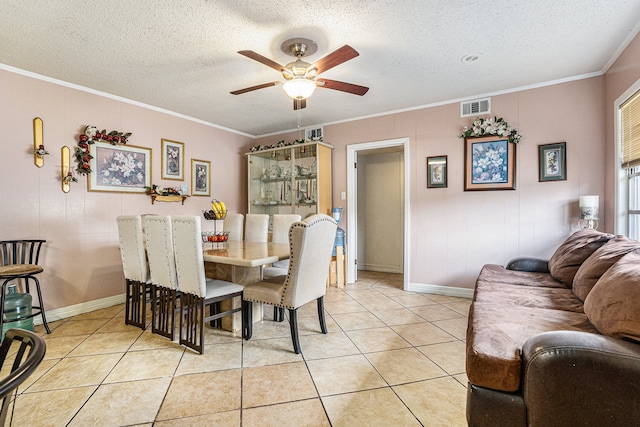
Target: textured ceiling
[181,55]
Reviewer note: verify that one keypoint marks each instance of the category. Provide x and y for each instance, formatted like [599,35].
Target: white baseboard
[381,268]
[441,290]
[85,307]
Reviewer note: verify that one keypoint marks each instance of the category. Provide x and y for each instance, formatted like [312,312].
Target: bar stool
[19,261]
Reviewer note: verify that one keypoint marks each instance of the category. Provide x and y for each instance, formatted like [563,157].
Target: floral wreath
[90,136]
[279,144]
[491,126]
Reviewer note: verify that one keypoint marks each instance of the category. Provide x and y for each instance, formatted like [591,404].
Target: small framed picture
[200,177]
[172,160]
[552,162]
[489,163]
[437,172]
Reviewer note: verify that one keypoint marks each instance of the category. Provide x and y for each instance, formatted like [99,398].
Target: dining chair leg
[293,323]
[323,324]
[278,314]
[247,316]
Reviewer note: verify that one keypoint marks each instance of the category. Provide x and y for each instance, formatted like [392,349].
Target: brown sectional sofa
[557,343]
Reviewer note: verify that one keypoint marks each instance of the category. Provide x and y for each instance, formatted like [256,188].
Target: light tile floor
[391,358]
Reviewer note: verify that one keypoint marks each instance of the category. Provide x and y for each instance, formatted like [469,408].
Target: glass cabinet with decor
[291,179]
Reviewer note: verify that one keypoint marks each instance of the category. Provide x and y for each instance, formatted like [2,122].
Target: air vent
[475,107]
[314,134]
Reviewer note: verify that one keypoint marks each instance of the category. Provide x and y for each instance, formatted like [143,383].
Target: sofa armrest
[580,378]
[534,265]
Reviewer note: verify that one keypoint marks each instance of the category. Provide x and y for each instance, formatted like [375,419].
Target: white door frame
[352,198]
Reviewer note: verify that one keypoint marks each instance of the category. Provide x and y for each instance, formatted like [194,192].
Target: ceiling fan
[300,77]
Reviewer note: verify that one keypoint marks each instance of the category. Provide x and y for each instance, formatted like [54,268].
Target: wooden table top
[246,254]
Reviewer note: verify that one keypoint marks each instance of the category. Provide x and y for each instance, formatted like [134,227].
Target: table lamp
[589,209]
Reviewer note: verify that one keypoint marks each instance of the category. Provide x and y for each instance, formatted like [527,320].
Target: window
[628,161]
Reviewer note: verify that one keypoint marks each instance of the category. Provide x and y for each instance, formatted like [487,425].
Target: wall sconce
[38,143]
[67,173]
[589,209]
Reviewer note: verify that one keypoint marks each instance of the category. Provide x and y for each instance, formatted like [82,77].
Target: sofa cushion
[612,305]
[494,273]
[570,255]
[599,262]
[496,333]
[529,296]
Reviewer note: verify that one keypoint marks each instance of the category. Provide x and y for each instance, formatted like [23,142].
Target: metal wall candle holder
[66,172]
[38,143]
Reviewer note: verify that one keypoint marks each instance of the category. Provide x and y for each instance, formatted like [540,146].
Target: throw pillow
[568,258]
[612,305]
[599,262]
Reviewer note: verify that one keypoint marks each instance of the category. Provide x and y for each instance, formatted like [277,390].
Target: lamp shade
[589,207]
[299,87]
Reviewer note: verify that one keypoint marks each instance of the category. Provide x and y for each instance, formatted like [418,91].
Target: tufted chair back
[132,251]
[160,251]
[187,245]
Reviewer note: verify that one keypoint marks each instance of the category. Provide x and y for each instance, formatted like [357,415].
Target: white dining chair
[256,228]
[234,224]
[162,268]
[280,234]
[135,268]
[197,291]
[311,243]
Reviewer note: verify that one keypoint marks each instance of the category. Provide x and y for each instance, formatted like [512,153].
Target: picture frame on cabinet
[552,162]
[437,172]
[489,163]
[200,177]
[172,160]
[119,168]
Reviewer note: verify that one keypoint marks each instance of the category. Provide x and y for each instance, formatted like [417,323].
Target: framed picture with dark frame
[489,163]
[200,177]
[119,168]
[172,160]
[552,162]
[437,172]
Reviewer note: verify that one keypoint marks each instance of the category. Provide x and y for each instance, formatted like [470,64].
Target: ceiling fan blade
[263,60]
[249,89]
[299,104]
[342,86]
[337,57]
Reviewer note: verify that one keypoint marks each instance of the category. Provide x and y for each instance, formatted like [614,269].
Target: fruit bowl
[217,239]
[210,215]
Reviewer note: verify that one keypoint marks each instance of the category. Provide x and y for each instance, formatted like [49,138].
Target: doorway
[392,158]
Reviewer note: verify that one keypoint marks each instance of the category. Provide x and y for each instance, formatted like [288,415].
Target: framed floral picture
[552,162]
[119,168]
[172,160]
[490,163]
[200,177]
[437,172]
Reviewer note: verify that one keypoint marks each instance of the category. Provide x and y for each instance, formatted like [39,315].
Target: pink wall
[81,259]
[624,72]
[453,232]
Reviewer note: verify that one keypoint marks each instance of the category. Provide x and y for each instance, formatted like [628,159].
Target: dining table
[241,262]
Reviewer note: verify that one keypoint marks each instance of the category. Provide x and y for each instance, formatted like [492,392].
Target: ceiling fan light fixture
[299,87]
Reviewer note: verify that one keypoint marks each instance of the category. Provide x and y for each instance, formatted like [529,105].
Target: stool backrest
[187,246]
[132,252]
[26,251]
[281,225]
[162,266]
[29,349]
[256,228]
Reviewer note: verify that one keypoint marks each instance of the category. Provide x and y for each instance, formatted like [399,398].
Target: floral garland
[90,136]
[279,145]
[491,126]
